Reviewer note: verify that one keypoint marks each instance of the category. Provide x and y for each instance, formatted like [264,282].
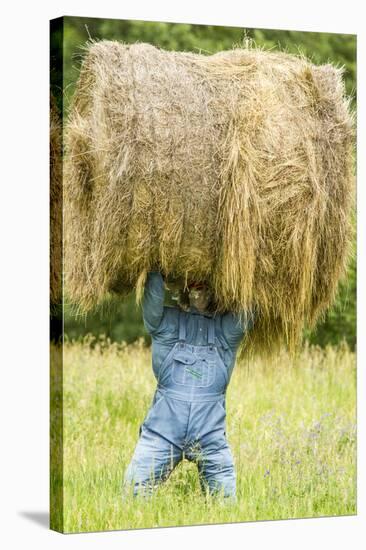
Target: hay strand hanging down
[234,169]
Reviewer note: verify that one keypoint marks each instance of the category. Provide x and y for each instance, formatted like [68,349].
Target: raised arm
[153,301]
[234,329]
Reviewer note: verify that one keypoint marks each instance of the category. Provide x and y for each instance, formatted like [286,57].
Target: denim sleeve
[153,301]
[234,329]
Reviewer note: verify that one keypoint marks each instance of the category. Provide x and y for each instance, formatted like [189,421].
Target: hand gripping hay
[234,169]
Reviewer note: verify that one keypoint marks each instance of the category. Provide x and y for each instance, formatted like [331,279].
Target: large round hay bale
[55,204]
[234,169]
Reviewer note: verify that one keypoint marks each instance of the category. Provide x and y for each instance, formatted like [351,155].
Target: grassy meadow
[290,423]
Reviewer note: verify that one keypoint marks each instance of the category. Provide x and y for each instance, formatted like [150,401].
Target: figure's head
[199,296]
[195,294]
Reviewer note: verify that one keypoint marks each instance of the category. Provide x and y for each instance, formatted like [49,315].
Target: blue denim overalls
[187,416]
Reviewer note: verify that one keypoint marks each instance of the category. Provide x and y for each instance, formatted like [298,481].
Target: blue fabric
[193,356]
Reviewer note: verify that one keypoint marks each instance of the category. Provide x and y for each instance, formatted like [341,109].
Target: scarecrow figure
[193,355]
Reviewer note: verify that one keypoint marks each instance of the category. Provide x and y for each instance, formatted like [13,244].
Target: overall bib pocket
[189,370]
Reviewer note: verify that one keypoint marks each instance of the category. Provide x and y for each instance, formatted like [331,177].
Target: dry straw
[55,204]
[233,168]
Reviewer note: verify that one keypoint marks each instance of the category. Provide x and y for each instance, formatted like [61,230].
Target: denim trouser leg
[216,469]
[152,462]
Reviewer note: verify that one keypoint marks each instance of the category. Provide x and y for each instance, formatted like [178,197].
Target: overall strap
[182,326]
[211,332]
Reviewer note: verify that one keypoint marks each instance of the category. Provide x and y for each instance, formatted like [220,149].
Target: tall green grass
[290,423]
